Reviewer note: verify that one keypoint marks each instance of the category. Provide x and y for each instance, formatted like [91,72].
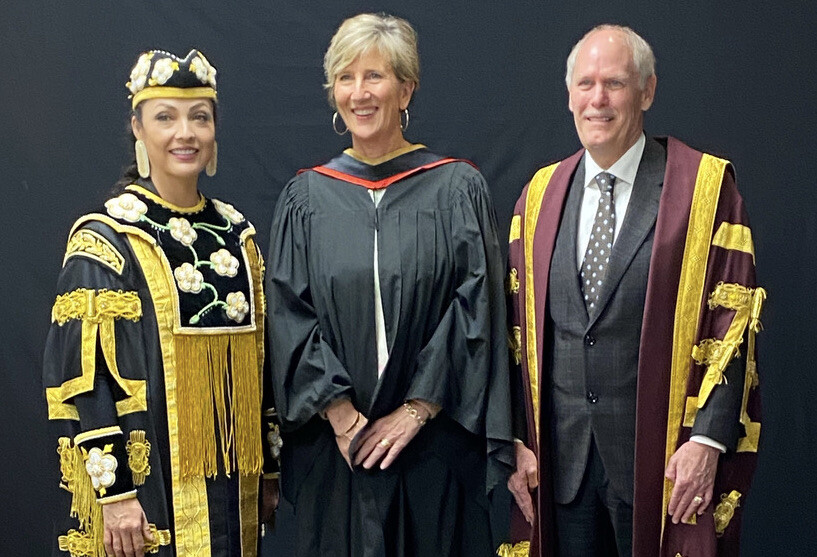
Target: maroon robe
[702,239]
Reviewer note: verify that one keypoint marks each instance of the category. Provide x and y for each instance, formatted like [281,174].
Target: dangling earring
[405,113]
[335,124]
[212,164]
[142,160]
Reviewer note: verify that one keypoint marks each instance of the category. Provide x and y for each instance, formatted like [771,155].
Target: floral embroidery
[140,73]
[127,206]
[275,441]
[228,212]
[182,230]
[224,263]
[209,71]
[101,468]
[188,278]
[237,306]
[162,71]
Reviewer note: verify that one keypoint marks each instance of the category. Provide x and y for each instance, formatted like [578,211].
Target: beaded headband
[161,74]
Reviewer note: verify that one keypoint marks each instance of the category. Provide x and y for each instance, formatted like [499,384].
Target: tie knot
[605,181]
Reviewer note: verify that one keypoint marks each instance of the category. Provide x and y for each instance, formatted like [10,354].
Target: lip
[364,112]
[185,153]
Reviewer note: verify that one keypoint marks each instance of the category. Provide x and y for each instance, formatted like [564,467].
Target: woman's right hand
[126,528]
[346,422]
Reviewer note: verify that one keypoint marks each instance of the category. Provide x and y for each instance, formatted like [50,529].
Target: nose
[361,91]
[184,129]
[599,95]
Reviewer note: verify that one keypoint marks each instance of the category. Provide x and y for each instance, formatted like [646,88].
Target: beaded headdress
[161,74]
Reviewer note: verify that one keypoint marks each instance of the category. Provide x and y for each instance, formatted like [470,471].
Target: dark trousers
[597,523]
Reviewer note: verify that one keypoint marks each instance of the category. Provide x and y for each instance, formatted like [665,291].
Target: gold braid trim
[138,448]
[82,544]
[735,237]
[709,350]
[740,299]
[516,228]
[87,243]
[533,205]
[522,549]
[691,286]
[96,306]
[97,310]
[513,282]
[725,511]
[749,443]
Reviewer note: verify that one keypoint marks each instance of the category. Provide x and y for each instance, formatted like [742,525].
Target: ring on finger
[385,443]
[697,499]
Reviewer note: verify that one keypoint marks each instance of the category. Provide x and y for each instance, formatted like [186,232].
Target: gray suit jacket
[594,358]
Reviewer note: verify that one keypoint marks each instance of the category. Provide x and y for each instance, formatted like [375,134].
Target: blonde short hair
[640,51]
[392,36]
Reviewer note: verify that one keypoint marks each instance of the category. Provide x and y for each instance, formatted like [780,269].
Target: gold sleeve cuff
[116,498]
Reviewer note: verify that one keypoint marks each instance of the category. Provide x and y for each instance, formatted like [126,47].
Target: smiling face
[179,135]
[370,99]
[606,98]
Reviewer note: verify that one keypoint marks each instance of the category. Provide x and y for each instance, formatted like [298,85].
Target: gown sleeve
[464,366]
[306,374]
[93,372]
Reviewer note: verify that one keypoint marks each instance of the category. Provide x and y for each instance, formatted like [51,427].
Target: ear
[569,101]
[648,93]
[136,127]
[406,91]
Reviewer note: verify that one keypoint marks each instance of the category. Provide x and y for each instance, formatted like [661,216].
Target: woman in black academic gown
[386,308]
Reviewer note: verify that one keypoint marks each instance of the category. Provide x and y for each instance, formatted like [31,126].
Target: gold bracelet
[351,427]
[412,411]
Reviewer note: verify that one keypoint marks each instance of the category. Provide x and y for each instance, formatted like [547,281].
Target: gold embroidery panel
[91,244]
[735,237]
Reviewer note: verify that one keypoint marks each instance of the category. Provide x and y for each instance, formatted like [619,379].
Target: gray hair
[392,36]
[642,55]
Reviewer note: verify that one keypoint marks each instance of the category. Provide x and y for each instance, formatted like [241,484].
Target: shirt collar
[624,169]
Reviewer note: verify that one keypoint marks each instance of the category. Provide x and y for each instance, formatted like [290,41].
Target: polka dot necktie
[594,266]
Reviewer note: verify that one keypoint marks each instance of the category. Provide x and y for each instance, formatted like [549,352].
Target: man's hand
[126,528]
[524,479]
[692,469]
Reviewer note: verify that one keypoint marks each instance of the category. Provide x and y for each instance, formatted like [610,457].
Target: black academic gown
[441,276]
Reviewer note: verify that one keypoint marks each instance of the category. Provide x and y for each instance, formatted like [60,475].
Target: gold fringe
[522,549]
[83,503]
[213,395]
[138,448]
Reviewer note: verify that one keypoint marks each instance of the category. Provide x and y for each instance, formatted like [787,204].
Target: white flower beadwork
[127,206]
[101,468]
[224,263]
[228,212]
[188,278]
[163,69]
[237,306]
[275,441]
[139,73]
[182,230]
[211,72]
[200,67]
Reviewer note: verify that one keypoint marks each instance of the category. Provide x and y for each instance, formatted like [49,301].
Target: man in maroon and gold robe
[634,309]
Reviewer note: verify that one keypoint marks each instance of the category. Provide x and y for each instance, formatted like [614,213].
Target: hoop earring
[212,164]
[142,160]
[404,127]
[335,124]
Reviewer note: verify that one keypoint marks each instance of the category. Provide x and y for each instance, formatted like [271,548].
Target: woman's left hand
[270,495]
[387,437]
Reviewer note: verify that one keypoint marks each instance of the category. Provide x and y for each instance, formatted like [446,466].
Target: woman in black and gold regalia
[386,304]
[154,362]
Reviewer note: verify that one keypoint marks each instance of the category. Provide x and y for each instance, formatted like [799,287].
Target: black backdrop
[735,78]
